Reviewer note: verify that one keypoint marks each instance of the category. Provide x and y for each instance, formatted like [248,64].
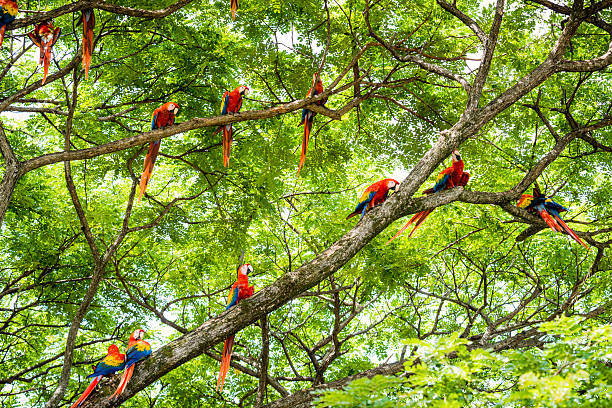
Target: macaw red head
[173,107]
[456,156]
[137,335]
[392,184]
[113,349]
[245,270]
[243,90]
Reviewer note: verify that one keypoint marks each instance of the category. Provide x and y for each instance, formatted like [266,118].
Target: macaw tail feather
[225,361]
[227,144]
[570,232]
[549,220]
[148,167]
[351,215]
[46,62]
[307,127]
[89,22]
[234,7]
[417,218]
[2,35]
[87,391]
[125,379]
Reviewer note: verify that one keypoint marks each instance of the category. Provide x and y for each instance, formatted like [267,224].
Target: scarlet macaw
[113,362]
[308,116]
[375,194]
[137,350]
[450,177]
[234,7]
[231,103]
[162,117]
[89,22]
[45,35]
[8,13]
[549,211]
[240,290]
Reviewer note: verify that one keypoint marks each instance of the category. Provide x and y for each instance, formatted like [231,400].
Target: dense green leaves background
[421,291]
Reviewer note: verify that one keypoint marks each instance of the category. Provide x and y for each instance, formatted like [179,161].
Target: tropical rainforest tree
[484,306]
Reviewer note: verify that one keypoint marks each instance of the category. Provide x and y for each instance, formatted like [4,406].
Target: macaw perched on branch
[231,103]
[234,7]
[375,194]
[549,211]
[308,117]
[45,35]
[162,117]
[8,13]
[137,350]
[89,22]
[450,177]
[240,290]
[113,362]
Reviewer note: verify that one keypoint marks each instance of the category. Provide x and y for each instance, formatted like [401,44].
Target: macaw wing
[442,180]
[551,206]
[56,36]
[154,120]
[232,298]
[109,365]
[35,39]
[225,103]
[137,352]
[525,201]
[367,196]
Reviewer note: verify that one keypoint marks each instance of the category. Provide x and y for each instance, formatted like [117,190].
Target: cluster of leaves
[571,369]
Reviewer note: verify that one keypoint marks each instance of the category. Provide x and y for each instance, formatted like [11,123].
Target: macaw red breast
[163,116]
[235,101]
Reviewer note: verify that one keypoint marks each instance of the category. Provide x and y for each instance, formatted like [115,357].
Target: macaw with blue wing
[137,350]
[239,290]
[549,211]
[162,117]
[44,36]
[8,14]
[231,103]
[308,117]
[375,194]
[450,177]
[113,362]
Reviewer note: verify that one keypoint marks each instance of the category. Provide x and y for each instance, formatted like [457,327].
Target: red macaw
[549,211]
[450,177]
[375,194]
[234,7]
[113,362]
[162,117]
[45,35]
[308,116]
[240,290]
[231,103]
[137,350]
[89,22]
[8,13]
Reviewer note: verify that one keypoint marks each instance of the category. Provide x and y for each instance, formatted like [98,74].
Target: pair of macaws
[549,211]
[8,14]
[377,193]
[239,290]
[137,350]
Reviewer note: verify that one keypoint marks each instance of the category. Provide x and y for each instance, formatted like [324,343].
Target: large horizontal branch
[196,123]
[36,18]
